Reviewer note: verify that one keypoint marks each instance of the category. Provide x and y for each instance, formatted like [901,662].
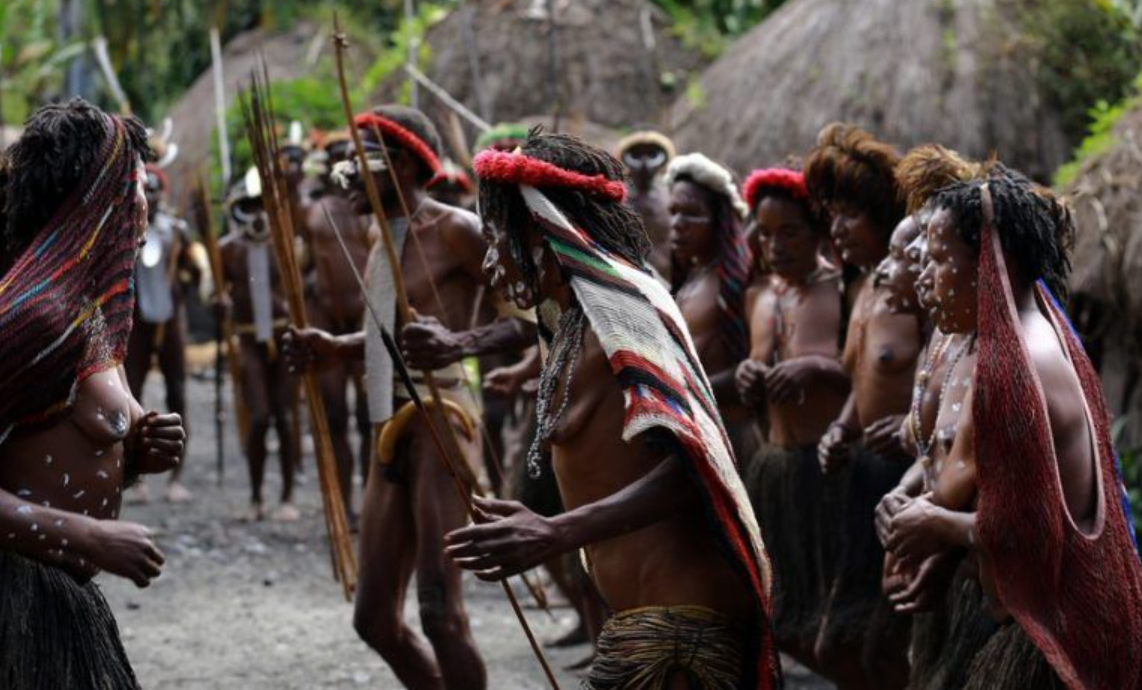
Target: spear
[225,334]
[405,311]
[257,111]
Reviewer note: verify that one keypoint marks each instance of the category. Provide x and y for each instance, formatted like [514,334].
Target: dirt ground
[253,606]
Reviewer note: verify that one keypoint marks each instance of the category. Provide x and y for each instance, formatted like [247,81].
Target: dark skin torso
[338,297]
[673,561]
[234,248]
[880,356]
[698,301]
[812,315]
[652,205]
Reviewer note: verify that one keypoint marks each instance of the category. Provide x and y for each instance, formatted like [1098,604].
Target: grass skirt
[55,633]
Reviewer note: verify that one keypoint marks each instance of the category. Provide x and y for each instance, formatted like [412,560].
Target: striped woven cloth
[66,301]
[666,390]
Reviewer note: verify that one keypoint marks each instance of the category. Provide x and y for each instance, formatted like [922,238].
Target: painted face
[855,236]
[248,217]
[898,271]
[691,223]
[788,242]
[374,154]
[643,162]
[503,272]
[949,279]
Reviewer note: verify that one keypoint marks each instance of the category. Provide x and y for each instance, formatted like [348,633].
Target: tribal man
[794,382]
[631,423]
[160,314]
[71,434]
[709,273]
[1030,486]
[853,176]
[645,154]
[335,303]
[409,501]
[260,317]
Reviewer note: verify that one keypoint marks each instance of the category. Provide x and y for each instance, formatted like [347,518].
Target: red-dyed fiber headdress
[396,135]
[66,302]
[789,181]
[155,170]
[516,168]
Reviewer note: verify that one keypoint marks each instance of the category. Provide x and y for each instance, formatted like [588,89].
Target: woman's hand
[750,381]
[835,446]
[916,532]
[160,441]
[125,549]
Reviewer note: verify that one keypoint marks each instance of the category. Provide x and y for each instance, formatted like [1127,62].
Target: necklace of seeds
[566,344]
[924,446]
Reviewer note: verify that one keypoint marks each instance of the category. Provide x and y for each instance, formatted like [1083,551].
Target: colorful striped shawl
[66,302]
[666,389]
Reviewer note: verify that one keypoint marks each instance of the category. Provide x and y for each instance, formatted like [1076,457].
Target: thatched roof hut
[616,61]
[1106,280]
[193,115]
[948,71]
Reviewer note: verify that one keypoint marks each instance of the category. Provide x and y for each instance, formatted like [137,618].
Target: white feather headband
[708,174]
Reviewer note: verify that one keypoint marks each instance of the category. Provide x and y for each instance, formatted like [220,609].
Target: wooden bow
[448,452]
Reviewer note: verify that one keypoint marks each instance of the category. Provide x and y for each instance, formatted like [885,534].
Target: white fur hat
[708,174]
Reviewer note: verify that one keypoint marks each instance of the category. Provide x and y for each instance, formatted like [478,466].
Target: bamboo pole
[258,112]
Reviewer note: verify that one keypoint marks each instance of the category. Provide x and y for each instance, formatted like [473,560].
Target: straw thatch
[1106,280]
[193,115]
[950,71]
[612,59]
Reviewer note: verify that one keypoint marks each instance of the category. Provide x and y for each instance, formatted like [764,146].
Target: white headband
[708,174]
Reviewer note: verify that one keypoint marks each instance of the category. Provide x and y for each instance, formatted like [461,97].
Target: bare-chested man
[71,433]
[709,276]
[645,154]
[632,427]
[793,378]
[852,175]
[409,501]
[260,317]
[159,329]
[336,305]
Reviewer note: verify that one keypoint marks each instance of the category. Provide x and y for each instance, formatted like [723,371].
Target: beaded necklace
[924,446]
[566,345]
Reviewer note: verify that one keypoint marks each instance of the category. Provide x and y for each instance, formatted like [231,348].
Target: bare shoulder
[1056,373]
[455,222]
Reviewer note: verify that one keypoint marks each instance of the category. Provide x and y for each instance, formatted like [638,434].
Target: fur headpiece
[708,174]
[790,181]
[645,137]
[929,168]
[516,168]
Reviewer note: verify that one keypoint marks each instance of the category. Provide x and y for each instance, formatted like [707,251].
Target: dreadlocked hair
[733,265]
[927,169]
[849,166]
[418,123]
[614,226]
[1035,227]
[61,144]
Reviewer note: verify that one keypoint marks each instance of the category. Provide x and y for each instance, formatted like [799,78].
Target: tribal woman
[1030,486]
[71,434]
[709,275]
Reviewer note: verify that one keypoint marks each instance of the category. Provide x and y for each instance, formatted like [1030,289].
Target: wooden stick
[257,109]
[214,252]
[405,311]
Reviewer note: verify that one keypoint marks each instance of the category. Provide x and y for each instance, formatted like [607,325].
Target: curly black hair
[1035,228]
[615,226]
[416,122]
[61,144]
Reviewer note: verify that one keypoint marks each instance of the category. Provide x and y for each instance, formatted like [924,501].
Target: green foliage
[1088,51]
[1100,137]
[710,25]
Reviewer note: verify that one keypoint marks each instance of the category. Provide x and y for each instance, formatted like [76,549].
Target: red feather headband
[397,135]
[516,168]
[790,181]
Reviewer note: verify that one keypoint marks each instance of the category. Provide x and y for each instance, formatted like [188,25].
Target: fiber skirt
[56,633]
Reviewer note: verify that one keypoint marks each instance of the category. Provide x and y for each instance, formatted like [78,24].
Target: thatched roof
[947,71]
[612,56]
[1107,264]
[193,114]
